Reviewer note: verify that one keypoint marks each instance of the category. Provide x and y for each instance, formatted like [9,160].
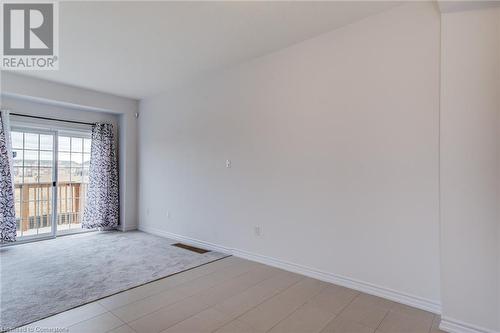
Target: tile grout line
[265,300]
[432,324]
[110,311]
[380,324]
[117,326]
[224,324]
[180,299]
[107,312]
[296,309]
[97,301]
[189,297]
[343,309]
[164,278]
[68,326]
[82,321]
[213,306]
[253,307]
[131,328]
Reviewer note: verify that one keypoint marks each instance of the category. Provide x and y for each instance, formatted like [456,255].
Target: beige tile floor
[235,295]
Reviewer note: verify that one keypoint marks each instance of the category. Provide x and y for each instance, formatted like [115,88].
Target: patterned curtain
[7,208]
[102,207]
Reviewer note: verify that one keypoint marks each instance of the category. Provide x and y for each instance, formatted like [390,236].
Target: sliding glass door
[34,178]
[51,175]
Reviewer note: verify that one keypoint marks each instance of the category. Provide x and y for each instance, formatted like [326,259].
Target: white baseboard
[362,286]
[457,326]
[347,282]
[187,240]
[127,228]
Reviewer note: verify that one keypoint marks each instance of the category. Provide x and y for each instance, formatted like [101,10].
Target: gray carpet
[43,278]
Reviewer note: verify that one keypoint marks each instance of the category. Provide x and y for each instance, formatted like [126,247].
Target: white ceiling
[138,49]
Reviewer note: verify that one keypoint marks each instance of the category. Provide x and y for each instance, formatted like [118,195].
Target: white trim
[457,326]
[188,240]
[127,228]
[369,288]
[366,287]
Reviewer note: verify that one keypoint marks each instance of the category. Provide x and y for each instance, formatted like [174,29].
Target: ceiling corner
[451,6]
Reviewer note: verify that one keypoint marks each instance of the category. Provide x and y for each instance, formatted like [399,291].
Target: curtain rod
[47,118]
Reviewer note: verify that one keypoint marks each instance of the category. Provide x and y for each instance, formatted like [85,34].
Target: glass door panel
[72,174]
[34,170]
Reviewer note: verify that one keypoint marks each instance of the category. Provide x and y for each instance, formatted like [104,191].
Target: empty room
[250,166]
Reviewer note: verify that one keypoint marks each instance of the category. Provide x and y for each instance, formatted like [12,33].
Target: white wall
[22,94]
[334,149]
[470,168]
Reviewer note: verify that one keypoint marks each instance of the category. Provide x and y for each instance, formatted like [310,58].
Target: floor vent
[190,248]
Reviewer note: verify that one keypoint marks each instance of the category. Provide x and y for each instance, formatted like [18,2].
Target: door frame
[56,131]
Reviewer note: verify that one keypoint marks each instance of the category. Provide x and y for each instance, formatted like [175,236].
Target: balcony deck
[34,207]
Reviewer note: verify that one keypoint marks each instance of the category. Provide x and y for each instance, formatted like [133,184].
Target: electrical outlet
[257,230]
[228,163]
